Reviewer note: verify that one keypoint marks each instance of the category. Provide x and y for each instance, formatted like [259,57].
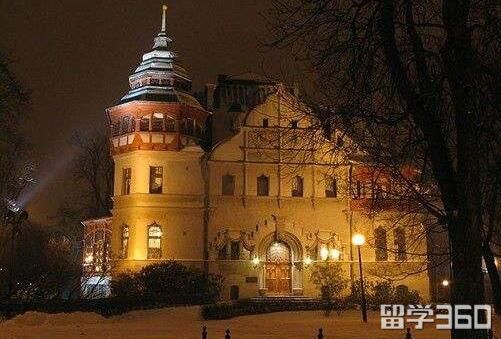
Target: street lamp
[15,216]
[358,240]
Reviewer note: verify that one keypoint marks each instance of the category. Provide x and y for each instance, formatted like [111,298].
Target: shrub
[168,281]
[328,277]
[383,292]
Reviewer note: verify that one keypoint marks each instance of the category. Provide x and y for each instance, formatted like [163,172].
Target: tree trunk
[468,283]
[493,277]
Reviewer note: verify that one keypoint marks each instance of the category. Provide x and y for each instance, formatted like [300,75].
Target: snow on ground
[185,322]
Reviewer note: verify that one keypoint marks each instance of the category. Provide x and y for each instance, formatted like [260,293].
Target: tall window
[125,126]
[126,178]
[235,250]
[157,122]
[124,248]
[294,123]
[228,185]
[115,128]
[331,187]
[263,185]
[144,124]
[359,192]
[297,186]
[381,244]
[154,242]
[377,191]
[221,254]
[187,126]
[156,179]
[170,124]
[401,250]
[265,122]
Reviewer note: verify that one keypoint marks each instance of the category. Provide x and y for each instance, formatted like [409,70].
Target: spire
[162,40]
[164,10]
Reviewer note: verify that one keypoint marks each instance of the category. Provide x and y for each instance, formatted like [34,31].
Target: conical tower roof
[160,76]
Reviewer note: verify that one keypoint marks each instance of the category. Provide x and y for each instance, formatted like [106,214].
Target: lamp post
[358,240]
[15,216]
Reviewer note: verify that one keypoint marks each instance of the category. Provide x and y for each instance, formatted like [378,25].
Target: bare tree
[420,77]
[93,174]
[16,167]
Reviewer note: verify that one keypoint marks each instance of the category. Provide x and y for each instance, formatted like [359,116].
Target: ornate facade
[262,206]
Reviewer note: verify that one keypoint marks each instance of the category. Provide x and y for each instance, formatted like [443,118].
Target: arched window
[170,124]
[157,122]
[228,185]
[154,242]
[297,186]
[331,187]
[263,186]
[144,124]
[400,247]
[124,247]
[381,244]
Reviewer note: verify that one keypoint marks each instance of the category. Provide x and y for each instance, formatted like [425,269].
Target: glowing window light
[89,259]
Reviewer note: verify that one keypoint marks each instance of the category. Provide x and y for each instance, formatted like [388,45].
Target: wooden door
[278,278]
[278,269]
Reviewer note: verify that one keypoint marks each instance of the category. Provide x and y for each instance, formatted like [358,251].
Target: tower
[156,131]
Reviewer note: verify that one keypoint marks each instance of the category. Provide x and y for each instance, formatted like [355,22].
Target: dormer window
[265,122]
[294,123]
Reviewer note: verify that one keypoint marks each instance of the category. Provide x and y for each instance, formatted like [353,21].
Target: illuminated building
[262,206]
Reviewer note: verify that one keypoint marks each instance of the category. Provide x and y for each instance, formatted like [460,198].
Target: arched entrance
[280,274]
[278,268]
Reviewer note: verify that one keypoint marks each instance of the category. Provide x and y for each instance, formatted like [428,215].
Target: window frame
[224,185]
[124,244]
[126,180]
[400,242]
[331,187]
[153,176]
[297,187]
[381,244]
[154,252]
[264,179]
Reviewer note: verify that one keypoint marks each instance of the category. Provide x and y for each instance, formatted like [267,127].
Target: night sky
[75,57]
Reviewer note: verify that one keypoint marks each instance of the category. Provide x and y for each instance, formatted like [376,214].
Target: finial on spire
[164,10]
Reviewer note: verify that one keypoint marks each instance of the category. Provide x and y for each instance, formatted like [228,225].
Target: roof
[247,77]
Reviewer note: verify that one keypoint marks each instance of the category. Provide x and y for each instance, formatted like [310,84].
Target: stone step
[285,299]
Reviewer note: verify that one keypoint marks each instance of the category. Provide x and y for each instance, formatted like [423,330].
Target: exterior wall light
[445,283]
[307,261]
[255,260]
[324,253]
[335,254]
